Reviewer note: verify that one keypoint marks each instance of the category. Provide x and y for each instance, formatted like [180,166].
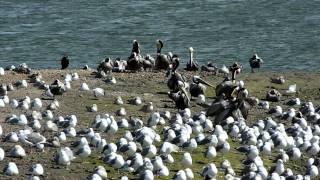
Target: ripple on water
[219,30]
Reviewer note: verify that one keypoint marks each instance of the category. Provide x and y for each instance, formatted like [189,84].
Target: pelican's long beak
[205,82]
[185,92]
[261,60]
[158,45]
[234,93]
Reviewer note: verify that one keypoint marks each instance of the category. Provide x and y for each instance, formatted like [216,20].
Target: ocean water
[285,33]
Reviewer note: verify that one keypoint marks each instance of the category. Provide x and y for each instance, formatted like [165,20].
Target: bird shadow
[47,99]
[204,105]
[162,93]
[200,162]
[165,101]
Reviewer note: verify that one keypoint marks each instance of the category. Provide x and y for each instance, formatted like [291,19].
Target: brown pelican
[273,95]
[235,69]
[181,97]
[174,76]
[135,62]
[64,62]
[148,62]
[135,47]
[223,108]
[255,62]
[106,65]
[23,69]
[198,87]
[226,88]
[192,65]
[210,67]
[162,61]
[278,80]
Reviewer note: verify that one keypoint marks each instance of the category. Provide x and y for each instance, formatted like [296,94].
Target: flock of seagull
[146,151]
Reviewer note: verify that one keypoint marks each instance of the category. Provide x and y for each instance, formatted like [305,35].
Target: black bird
[64,62]
[162,61]
[255,62]
[192,65]
[197,86]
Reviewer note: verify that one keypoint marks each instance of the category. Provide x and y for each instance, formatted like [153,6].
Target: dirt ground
[151,87]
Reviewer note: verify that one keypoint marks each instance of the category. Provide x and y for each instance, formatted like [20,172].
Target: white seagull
[84,87]
[17,151]
[36,169]
[98,92]
[11,169]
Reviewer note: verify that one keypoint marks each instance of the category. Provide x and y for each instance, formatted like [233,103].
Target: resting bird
[181,97]
[225,88]
[192,65]
[148,62]
[64,62]
[57,87]
[232,101]
[198,87]
[255,62]
[135,62]
[106,65]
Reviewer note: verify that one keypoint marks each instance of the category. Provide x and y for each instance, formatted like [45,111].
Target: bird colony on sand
[144,150]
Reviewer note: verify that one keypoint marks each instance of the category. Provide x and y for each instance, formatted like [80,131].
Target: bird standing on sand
[64,62]
[162,61]
[255,62]
[173,76]
[192,65]
[235,69]
[135,47]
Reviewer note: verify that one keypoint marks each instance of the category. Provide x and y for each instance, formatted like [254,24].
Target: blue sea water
[285,33]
